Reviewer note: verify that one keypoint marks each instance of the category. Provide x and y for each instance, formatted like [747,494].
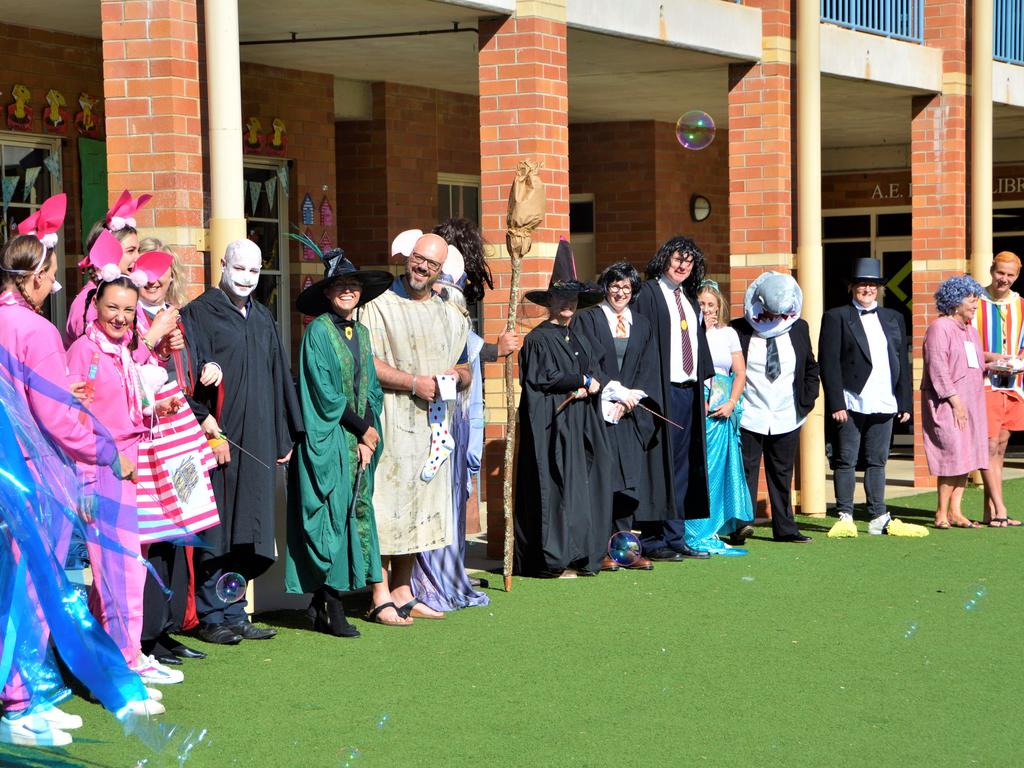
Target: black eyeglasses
[415,259]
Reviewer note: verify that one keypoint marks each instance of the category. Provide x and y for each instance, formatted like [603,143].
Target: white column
[981,141]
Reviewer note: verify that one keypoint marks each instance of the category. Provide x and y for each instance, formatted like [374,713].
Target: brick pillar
[761,104]
[523,115]
[761,216]
[154,140]
[938,169]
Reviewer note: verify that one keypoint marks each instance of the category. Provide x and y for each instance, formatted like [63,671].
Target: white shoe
[147,708]
[153,672]
[878,525]
[155,694]
[31,731]
[59,719]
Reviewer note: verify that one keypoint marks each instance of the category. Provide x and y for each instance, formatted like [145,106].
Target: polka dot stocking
[441,442]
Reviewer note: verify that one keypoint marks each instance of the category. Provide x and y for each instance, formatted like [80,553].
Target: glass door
[266,220]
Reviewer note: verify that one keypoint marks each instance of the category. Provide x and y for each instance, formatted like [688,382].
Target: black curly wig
[683,245]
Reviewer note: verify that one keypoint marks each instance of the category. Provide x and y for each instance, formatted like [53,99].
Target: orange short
[1005,411]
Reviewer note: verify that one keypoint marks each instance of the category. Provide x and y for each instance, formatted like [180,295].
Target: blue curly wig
[953,291]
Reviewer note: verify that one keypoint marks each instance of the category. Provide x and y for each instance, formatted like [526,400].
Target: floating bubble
[911,630]
[231,587]
[349,757]
[382,721]
[695,129]
[977,592]
[746,578]
[624,548]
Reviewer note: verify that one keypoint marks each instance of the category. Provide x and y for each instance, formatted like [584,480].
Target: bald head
[423,266]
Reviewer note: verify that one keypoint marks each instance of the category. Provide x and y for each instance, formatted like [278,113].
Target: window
[266,222]
[458,197]
[27,182]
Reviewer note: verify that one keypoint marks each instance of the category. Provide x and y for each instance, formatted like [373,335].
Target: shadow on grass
[37,757]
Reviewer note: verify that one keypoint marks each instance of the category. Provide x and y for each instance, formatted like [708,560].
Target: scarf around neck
[124,363]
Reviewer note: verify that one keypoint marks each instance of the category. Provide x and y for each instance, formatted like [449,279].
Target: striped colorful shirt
[1000,325]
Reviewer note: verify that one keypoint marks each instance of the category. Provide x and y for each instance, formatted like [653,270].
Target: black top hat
[866,271]
[374,282]
[564,282]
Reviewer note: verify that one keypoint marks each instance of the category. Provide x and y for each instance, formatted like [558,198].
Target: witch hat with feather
[312,300]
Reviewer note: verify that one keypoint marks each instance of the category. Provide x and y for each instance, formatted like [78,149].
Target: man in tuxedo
[782,385]
[675,469]
[865,371]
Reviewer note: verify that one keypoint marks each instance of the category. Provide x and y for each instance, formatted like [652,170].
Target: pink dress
[949,450]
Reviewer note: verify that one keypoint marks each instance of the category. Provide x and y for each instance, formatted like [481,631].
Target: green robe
[325,545]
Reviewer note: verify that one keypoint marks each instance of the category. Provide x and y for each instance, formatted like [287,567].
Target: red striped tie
[683,326]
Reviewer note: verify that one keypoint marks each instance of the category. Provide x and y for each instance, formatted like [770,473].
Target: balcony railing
[898,19]
[1008,32]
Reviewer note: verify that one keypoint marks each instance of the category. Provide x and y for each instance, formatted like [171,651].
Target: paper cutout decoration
[252,139]
[326,213]
[325,243]
[19,113]
[307,282]
[278,140]
[271,186]
[52,163]
[308,254]
[55,116]
[307,209]
[10,184]
[31,174]
[282,177]
[255,188]
[87,122]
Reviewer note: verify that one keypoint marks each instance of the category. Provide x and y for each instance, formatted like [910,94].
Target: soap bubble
[231,587]
[977,592]
[911,630]
[382,721]
[624,548]
[746,578]
[349,757]
[695,129]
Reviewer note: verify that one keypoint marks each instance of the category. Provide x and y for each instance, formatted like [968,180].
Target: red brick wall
[361,152]
[42,60]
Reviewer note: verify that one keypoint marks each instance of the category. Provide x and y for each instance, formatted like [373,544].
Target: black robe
[634,434]
[260,412]
[650,303]
[563,497]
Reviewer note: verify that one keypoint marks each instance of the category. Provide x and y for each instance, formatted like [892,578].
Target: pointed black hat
[564,282]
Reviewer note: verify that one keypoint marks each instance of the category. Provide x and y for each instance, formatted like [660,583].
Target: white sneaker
[155,694]
[153,672]
[147,708]
[59,719]
[878,524]
[31,731]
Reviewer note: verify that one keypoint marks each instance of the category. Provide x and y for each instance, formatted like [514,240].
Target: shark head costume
[772,304]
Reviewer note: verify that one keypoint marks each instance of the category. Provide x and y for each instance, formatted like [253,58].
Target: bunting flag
[307,209]
[245,194]
[10,184]
[255,188]
[307,253]
[271,186]
[282,177]
[52,163]
[326,213]
[325,243]
[31,174]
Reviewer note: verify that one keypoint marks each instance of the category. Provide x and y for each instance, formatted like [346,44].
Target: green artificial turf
[794,655]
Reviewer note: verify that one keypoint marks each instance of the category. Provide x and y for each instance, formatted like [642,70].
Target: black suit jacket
[846,358]
[805,377]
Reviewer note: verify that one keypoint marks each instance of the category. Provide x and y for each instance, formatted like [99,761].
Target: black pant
[209,568]
[672,533]
[779,453]
[161,614]
[868,434]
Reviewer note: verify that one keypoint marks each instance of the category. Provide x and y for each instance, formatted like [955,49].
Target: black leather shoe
[219,634]
[741,534]
[249,631]
[665,554]
[166,657]
[691,553]
[795,538]
[183,651]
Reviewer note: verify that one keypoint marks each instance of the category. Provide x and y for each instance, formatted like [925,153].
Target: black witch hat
[565,283]
[312,300]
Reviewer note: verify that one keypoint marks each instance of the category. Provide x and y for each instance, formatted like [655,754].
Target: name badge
[972,354]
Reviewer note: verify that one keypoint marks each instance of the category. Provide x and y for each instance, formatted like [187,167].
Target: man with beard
[416,338]
[256,408]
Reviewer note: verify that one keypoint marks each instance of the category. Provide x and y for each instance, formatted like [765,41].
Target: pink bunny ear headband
[105,257]
[122,214]
[45,223]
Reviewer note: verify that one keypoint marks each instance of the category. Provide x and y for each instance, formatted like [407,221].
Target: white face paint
[241,269]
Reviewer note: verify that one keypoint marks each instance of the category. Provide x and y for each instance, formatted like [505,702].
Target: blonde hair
[723,306]
[20,259]
[176,295]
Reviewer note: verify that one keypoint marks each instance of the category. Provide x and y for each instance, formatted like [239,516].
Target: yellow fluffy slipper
[899,528]
[844,528]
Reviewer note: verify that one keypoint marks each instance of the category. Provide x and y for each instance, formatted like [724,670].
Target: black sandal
[406,611]
[374,615]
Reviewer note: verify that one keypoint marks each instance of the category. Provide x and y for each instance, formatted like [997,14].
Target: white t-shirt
[723,342]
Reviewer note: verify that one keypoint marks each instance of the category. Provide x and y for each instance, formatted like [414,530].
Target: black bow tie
[867,311]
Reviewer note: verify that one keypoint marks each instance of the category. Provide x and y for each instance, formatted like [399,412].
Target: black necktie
[868,311]
[772,366]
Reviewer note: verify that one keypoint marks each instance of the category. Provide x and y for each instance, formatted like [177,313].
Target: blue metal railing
[898,19]
[1008,31]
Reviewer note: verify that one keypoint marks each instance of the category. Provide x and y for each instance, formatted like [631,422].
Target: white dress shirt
[877,395]
[676,372]
[770,407]
[613,318]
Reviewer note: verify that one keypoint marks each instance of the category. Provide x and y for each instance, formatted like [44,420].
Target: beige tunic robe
[424,338]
